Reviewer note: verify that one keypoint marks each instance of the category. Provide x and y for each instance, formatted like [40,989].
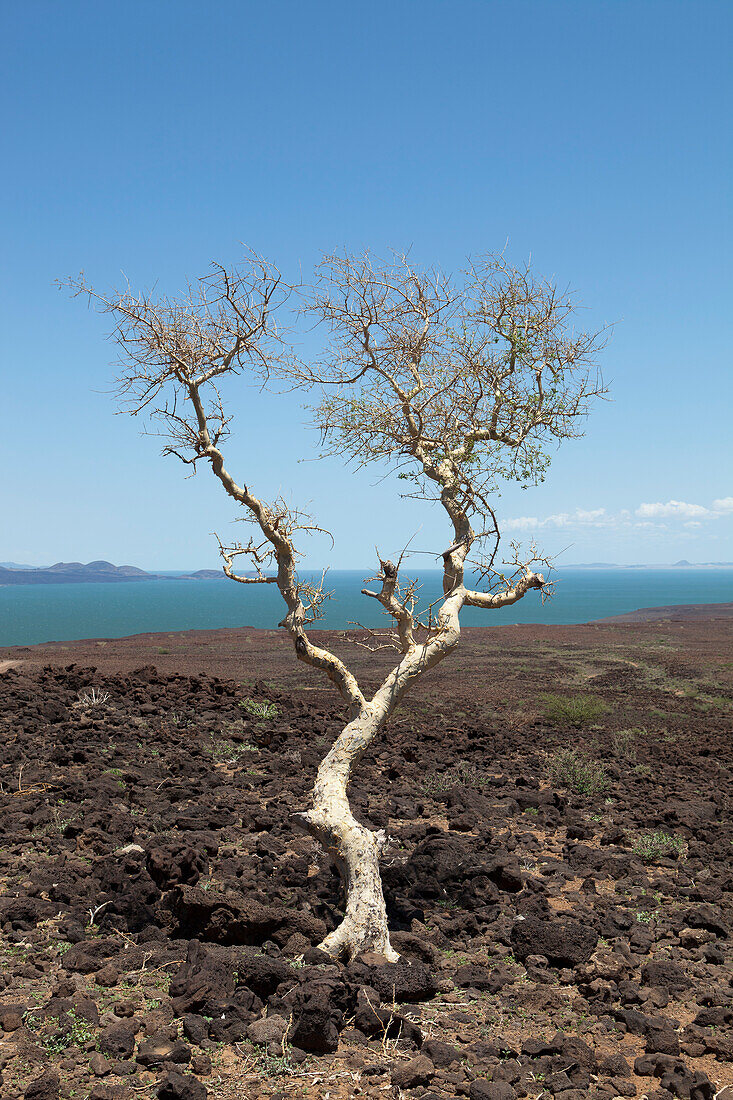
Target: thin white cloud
[651,515]
[522,523]
[581,517]
[672,508]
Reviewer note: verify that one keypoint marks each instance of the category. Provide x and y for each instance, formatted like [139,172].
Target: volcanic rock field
[559,876]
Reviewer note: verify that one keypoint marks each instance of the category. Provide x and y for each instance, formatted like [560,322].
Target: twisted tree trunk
[354,848]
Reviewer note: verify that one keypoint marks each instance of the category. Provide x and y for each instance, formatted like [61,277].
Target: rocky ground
[559,877]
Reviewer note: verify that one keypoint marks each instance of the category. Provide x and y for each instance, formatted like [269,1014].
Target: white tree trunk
[354,848]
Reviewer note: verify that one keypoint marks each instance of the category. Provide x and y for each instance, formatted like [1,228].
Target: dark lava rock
[443,866]
[505,872]
[107,976]
[89,956]
[118,1040]
[661,1038]
[709,917]
[317,1018]
[195,1029]
[171,863]
[441,1054]
[24,913]
[45,1087]
[261,973]
[675,1077]
[539,1048]
[715,1016]
[666,975]
[131,892]
[418,1071]
[207,981]
[615,1066]
[99,1065]
[563,942]
[159,1048]
[227,919]
[414,947]
[577,1051]
[491,1090]
[181,1086]
[373,1020]
[54,712]
[471,976]
[399,981]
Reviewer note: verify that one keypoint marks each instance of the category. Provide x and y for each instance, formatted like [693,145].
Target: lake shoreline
[253,653]
[31,615]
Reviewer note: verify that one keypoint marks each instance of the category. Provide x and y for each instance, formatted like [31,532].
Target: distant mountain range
[74,572]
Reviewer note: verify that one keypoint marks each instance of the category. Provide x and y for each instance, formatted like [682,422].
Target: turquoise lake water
[44,613]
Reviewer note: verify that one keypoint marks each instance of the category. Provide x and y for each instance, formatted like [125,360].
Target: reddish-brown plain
[139,971]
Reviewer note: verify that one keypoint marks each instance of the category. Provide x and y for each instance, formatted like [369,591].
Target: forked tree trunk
[354,848]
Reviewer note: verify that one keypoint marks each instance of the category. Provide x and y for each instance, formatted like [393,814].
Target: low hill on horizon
[76,572]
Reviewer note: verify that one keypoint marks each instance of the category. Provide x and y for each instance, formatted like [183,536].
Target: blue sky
[151,138]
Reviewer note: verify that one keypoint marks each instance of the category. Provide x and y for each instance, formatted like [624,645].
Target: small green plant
[81,1031]
[60,820]
[271,1065]
[74,1031]
[263,711]
[228,752]
[575,711]
[461,774]
[571,769]
[623,743]
[658,845]
[714,702]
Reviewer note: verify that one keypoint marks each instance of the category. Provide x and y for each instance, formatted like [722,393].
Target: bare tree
[456,383]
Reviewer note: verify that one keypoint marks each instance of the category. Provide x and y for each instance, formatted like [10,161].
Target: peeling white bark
[354,848]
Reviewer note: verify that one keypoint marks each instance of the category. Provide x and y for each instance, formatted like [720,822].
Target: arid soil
[564,920]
